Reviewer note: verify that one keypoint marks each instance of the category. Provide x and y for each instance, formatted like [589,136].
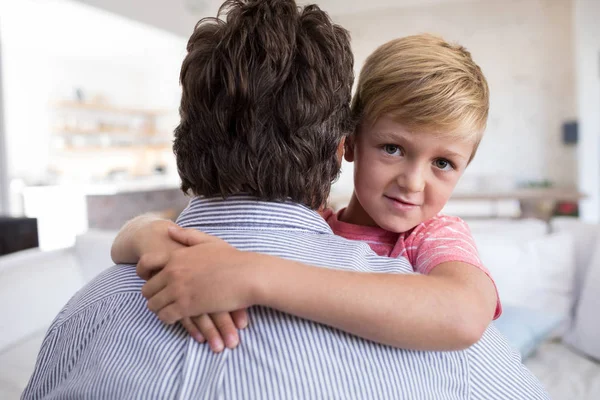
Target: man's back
[106,344]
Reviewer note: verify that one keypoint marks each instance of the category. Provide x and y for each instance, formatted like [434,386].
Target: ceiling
[180,16]
[334,7]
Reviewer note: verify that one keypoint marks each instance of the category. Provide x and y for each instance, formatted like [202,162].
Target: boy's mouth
[401,202]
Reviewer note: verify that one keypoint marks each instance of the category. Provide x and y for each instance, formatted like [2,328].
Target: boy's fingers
[151,263]
[170,314]
[160,300]
[210,332]
[227,328]
[154,285]
[192,329]
[240,318]
[188,237]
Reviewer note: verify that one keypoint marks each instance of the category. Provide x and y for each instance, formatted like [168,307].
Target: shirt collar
[360,232]
[249,212]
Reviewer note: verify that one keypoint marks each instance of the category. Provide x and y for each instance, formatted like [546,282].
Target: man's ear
[349,148]
[340,151]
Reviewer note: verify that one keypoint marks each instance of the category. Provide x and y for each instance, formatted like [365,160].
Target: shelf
[535,194]
[108,108]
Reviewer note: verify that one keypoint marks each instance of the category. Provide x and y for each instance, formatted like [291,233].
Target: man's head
[265,103]
[422,106]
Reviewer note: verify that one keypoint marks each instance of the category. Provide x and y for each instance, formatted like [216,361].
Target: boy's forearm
[401,310]
[127,246]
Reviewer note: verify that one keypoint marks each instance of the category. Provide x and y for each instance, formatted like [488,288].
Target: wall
[525,48]
[129,63]
[587,61]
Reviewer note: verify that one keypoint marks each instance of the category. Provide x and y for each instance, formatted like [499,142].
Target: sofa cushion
[585,332]
[526,329]
[537,273]
[520,230]
[585,236]
[34,286]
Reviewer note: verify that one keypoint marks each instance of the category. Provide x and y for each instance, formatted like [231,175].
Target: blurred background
[88,102]
[90,94]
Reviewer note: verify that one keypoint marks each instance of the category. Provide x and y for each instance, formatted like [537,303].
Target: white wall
[50,48]
[587,61]
[525,48]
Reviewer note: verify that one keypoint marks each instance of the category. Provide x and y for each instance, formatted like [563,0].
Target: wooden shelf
[535,194]
[101,136]
[107,108]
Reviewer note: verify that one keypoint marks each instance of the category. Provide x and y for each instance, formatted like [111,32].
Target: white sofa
[554,273]
[35,285]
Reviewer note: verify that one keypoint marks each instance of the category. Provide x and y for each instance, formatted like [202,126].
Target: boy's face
[402,178]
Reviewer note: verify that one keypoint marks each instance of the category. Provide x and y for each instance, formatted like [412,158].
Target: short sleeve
[444,239]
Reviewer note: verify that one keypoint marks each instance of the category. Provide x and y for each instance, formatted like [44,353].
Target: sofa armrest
[92,250]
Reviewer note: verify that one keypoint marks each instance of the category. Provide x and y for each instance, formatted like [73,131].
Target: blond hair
[425,84]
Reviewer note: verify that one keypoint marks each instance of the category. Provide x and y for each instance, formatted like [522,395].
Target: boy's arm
[445,239]
[142,234]
[148,235]
[446,310]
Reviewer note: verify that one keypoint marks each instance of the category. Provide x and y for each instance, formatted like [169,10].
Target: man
[264,111]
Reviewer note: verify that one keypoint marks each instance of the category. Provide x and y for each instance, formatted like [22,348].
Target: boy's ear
[349,148]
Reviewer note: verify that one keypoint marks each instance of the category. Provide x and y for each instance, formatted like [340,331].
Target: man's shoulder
[492,360]
[119,280]
[323,249]
[360,255]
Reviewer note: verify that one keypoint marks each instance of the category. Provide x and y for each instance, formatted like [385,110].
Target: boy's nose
[413,180]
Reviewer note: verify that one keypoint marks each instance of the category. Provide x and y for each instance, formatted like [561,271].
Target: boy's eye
[391,149]
[443,164]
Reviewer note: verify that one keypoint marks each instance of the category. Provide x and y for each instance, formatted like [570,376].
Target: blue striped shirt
[105,344]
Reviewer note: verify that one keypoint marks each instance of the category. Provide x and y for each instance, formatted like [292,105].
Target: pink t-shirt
[441,239]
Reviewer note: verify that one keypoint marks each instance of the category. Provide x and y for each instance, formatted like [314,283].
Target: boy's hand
[195,281]
[153,242]
[219,330]
[143,234]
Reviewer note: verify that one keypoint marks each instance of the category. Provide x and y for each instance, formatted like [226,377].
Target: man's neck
[247,212]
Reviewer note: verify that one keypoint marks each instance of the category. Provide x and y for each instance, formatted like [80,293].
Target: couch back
[34,286]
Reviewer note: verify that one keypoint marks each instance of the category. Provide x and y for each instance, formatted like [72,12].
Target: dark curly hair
[265,103]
